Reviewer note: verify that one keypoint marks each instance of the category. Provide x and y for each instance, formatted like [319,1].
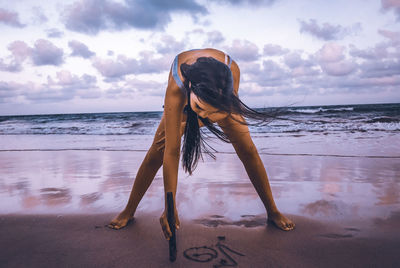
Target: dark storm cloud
[92,16]
[392,5]
[80,49]
[46,53]
[327,31]
[10,18]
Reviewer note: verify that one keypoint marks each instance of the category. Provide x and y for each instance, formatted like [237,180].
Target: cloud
[12,66]
[392,4]
[247,2]
[38,16]
[299,66]
[169,44]
[394,37]
[294,59]
[122,65]
[389,49]
[10,18]
[206,38]
[368,84]
[274,50]
[379,51]
[214,38]
[380,68]
[133,87]
[333,61]
[80,49]
[261,80]
[331,52]
[328,31]
[20,51]
[54,33]
[243,50]
[93,16]
[8,90]
[339,68]
[64,86]
[46,53]
[115,68]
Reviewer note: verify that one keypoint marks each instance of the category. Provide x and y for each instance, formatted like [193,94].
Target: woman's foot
[120,221]
[281,221]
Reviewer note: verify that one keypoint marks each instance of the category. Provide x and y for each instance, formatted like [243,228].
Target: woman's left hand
[165,225]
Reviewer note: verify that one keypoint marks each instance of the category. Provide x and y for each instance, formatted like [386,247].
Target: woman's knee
[155,155]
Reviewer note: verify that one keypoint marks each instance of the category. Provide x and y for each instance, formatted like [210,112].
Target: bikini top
[178,80]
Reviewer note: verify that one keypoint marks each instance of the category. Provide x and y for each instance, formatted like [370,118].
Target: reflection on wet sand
[100,181]
[55,196]
[88,199]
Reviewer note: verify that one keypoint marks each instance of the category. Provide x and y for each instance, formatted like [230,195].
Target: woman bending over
[202,90]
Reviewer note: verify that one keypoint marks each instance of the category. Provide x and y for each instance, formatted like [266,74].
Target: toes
[114,226]
[290,226]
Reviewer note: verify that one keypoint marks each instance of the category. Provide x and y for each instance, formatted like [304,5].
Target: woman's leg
[146,173]
[247,152]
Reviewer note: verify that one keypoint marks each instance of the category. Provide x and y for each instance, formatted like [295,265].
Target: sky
[87,56]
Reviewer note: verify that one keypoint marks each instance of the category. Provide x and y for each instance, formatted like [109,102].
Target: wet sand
[84,241]
[54,205]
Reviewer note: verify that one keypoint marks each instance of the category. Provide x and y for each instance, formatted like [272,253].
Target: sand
[54,205]
[84,241]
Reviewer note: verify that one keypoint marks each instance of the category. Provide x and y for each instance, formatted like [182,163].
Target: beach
[83,241]
[341,188]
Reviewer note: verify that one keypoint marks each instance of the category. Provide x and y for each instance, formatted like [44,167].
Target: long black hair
[212,82]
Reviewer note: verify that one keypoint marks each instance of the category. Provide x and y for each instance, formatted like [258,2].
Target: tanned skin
[165,149]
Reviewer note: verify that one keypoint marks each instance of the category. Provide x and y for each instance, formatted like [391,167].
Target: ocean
[306,119]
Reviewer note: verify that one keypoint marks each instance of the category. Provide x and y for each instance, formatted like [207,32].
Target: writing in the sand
[207,254]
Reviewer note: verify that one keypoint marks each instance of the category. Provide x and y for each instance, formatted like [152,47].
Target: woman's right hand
[165,225]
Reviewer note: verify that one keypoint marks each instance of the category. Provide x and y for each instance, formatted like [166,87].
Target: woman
[202,89]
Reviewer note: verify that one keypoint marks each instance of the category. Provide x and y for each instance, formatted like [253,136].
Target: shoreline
[232,153]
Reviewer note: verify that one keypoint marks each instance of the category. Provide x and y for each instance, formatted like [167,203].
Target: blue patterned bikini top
[178,80]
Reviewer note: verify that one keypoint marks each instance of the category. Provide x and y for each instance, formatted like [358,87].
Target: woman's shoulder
[202,51]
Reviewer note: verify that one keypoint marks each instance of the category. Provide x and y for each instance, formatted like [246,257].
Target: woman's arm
[173,109]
